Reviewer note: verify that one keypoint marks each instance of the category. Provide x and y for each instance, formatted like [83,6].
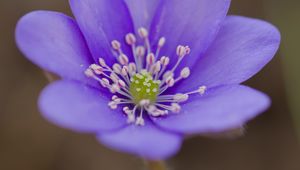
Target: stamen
[130,39]
[123,59]
[102,62]
[160,44]
[150,60]
[140,120]
[139,85]
[117,68]
[116,45]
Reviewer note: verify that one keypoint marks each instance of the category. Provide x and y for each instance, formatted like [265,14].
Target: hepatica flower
[142,74]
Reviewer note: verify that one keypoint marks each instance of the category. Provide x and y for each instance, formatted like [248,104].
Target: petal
[220,109]
[81,108]
[193,23]
[54,42]
[142,12]
[242,48]
[101,22]
[145,141]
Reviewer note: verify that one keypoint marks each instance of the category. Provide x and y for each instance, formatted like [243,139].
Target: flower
[141,74]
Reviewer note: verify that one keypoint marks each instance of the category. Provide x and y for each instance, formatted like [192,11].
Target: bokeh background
[28,142]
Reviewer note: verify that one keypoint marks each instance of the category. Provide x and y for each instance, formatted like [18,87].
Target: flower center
[140,85]
[143,87]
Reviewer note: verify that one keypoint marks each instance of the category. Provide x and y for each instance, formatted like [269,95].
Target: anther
[114,88]
[130,39]
[117,68]
[124,71]
[168,74]
[97,69]
[156,67]
[181,97]
[140,51]
[105,82]
[114,97]
[140,121]
[170,81]
[114,77]
[121,83]
[161,42]
[202,89]
[102,62]
[187,50]
[181,51]
[185,73]
[116,45]
[165,60]
[113,105]
[143,32]
[89,72]
[175,108]
[123,59]
[150,58]
[132,69]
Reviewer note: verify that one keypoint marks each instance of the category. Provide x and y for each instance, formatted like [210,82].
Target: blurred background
[28,142]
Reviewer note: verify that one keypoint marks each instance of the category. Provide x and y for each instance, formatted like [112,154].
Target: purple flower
[141,74]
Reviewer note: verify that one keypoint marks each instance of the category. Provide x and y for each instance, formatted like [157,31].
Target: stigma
[140,86]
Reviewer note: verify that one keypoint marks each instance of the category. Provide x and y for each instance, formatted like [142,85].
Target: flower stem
[156,165]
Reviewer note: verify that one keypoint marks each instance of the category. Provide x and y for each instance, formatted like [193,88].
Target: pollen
[146,89]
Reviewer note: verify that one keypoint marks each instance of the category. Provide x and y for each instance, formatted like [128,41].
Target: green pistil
[143,87]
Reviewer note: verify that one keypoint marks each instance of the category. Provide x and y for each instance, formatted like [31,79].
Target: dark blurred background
[28,142]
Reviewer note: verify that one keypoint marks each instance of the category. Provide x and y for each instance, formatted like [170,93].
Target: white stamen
[116,45]
[89,72]
[132,69]
[124,71]
[113,105]
[181,97]
[130,39]
[161,42]
[187,50]
[114,88]
[175,108]
[123,59]
[117,68]
[146,69]
[121,83]
[140,51]
[114,77]
[150,59]
[170,81]
[102,62]
[105,82]
[202,89]
[143,32]
[97,69]
[165,60]
[181,51]
[140,121]
[185,72]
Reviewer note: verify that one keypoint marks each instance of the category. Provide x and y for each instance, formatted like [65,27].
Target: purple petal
[146,141]
[101,22]
[78,107]
[218,110]
[142,12]
[242,48]
[192,23]
[54,42]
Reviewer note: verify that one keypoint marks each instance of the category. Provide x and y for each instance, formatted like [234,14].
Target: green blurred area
[28,142]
